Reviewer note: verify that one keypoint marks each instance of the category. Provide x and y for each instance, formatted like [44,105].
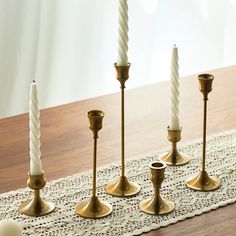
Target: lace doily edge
[182,218]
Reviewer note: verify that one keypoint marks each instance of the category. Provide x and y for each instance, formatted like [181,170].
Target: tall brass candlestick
[203,182]
[37,206]
[122,187]
[174,157]
[93,208]
[157,205]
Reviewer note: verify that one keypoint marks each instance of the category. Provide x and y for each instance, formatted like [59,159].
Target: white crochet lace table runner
[126,218]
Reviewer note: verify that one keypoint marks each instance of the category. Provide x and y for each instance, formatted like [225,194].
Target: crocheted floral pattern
[126,218]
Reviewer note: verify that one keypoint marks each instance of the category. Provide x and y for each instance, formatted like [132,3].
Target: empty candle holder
[37,206]
[203,182]
[93,208]
[174,156]
[122,187]
[157,205]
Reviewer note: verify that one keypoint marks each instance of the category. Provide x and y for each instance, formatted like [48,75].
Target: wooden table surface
[67,141]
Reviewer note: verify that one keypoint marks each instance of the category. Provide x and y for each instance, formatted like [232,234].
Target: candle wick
[174,45]
[34,81]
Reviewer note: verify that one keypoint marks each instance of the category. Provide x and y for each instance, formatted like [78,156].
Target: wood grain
[67,141]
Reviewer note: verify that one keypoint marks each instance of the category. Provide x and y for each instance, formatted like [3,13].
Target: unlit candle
[174,101]
[34,123]
[122,59]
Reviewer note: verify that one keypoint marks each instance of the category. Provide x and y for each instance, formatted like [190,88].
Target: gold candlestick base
[174,157]
[122,188]
[37,206]
[93,208]
[157,205]
[154,206]
[202,182]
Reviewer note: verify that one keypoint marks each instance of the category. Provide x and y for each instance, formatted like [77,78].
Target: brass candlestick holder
[93,208]
[203,182]
[174,157]
[37,206]
[122,187]
[157,205]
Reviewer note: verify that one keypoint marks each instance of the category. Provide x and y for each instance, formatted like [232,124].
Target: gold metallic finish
[203,182]
[122,74]
[93,208]
[122,187]
[174,157]
[157,205]
[37,206]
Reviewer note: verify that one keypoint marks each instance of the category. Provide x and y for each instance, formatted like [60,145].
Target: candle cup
[37,206]
[203,182]
[157,205]
[93,208]
[122,187]
[174,157]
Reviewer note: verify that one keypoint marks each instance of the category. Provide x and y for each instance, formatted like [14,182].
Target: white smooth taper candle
[174,98]
[34,123]
[122,59]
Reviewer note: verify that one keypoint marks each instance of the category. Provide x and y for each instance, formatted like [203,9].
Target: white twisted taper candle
[122,59]
[174,107]
[34,123]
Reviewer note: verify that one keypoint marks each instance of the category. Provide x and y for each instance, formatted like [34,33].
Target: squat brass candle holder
[157,205]
[174,157]
[203,182]
[93,208]
[37,206]
[122,187]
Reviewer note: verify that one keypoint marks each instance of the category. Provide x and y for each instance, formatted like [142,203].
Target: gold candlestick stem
[157,205]
[203,182]
[37,206]
[94,167]
[123,130]
[174,157]
[93,208]
[122,187]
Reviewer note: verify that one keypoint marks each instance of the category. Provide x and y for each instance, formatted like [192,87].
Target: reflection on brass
[174,157]
[157,205]
[203,182]
[122,187]
[37,206]
[93,208]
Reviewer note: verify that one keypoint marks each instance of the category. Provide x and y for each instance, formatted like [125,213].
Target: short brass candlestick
[174,157]
[203,182]
[37,206]
[122,187]
[157,205]
[93,208]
